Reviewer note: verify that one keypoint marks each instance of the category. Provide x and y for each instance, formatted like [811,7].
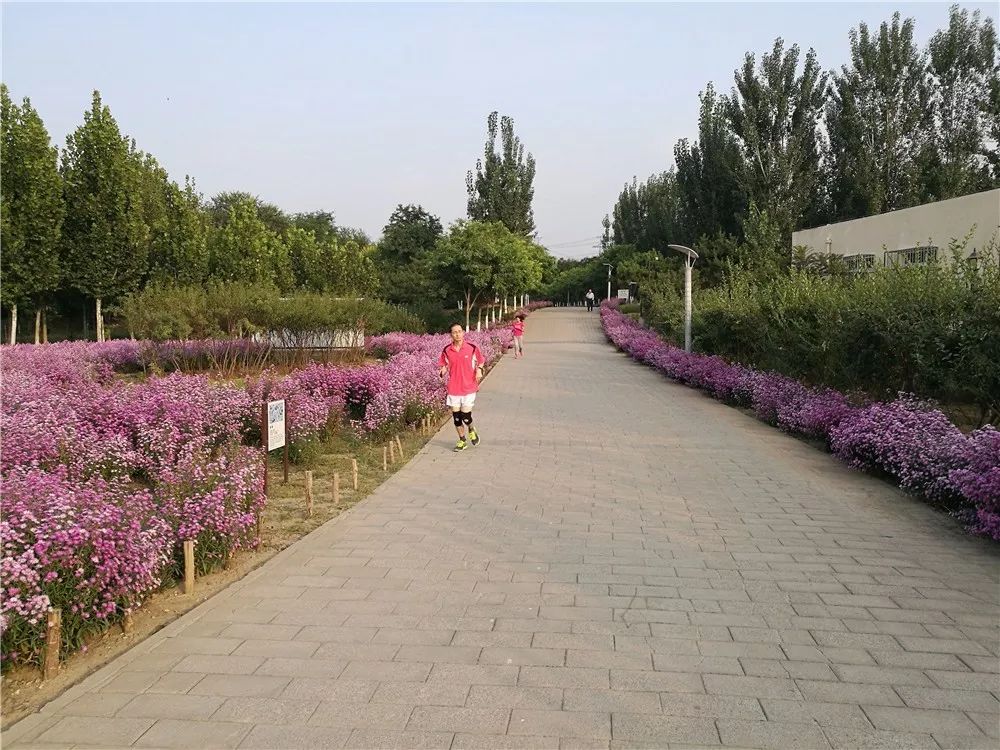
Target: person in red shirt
[462,362]
[518,336]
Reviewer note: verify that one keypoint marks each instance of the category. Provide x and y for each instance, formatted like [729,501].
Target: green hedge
[165,313]
[930,330]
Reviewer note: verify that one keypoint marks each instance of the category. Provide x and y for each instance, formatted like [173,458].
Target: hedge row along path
[623,562]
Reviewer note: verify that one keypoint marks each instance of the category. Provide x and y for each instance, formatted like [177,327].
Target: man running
[463,363]
[590,300]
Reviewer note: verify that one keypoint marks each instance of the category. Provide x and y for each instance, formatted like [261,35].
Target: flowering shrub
[93,548]
[103,479]
[907,440]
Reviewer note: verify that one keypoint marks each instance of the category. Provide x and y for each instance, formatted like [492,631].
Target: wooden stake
[336,488]
[53,640]
[392,451]
[385,458]
[127,623]
[189,567]
[399,444]
[354,471]
[309,494]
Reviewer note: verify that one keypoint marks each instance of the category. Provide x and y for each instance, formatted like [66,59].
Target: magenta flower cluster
[908,440]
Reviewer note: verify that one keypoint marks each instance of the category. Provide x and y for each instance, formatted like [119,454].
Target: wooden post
[189,567]
[385,458]
[336,488]
[354,471]
[127,623]
[309,494]
[263,440]
[53,641]
[392,451]
[399,444]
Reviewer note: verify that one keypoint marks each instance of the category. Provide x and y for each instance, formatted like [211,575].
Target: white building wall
[933,224]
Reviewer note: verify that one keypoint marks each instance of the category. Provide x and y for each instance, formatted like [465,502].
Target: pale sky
[354,108]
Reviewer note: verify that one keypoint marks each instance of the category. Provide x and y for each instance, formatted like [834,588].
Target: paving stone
[563,677]
[606,701]
[421,694]
[505,742]
[663,729]
[237,686]
[824,714]
[565,723]
[523,656]
[474,674]
[266,737]
[438,719]
[955,700]
[72,730]
[972,743]
[759,687]
[387,671]
[149,706]
[668,682]
[175,682]
[187,734]
[851,739]
[771,734]
[362,715]
[881,675]
[711,706]
[345,691]
[918,720]
[848,692]
[364,739]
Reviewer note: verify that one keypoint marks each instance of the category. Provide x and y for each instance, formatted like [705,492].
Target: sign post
[273,433]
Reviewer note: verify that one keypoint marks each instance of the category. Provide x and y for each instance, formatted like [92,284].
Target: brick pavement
[622,563]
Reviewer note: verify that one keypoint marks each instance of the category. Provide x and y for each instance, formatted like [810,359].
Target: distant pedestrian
[518,336]
[590,300]
[463,363]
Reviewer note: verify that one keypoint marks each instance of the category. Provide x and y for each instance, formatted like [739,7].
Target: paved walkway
[622,563]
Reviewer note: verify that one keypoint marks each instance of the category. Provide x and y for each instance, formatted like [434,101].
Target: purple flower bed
[907,440]
[103,479]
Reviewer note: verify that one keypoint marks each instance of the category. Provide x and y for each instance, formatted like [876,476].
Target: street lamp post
[609,278]
[690,256]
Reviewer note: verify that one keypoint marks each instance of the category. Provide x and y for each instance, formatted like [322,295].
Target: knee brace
[467,417]
[456,417]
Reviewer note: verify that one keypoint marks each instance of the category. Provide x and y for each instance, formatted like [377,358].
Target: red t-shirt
[518,327]
[462,366]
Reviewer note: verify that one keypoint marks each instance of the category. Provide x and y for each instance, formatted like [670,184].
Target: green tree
[879,119]
[711,196]
[31,210]
[410,234]
[647,215]
[470,260]
[104,235]
[306,258]
[962,63]
[774,112]
[244,249]
[321,223]
[502,188]
[270,215]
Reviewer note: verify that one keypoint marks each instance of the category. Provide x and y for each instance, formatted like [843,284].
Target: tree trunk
[38,325]
[45,328]
[479,321]
[13,325]
[467,312]
[99,321]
